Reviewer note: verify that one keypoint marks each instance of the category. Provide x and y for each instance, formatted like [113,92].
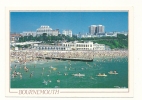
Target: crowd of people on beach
[26,56]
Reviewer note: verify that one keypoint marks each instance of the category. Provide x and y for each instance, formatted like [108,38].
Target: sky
[75,21]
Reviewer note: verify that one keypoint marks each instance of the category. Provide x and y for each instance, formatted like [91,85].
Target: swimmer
[31,74]
[20,76]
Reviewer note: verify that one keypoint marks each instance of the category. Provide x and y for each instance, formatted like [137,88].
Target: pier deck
[72,59]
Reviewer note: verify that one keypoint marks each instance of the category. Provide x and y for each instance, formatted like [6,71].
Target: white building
[111,34]
[14,37]
[87,36]
[25,43]
[83,46]
[100,29]
[49,47]
[93,29]
[40,31]
[28,33]
[101,35]
[47,30]
[72,46]
[123,32]
[97,46]
[67,33]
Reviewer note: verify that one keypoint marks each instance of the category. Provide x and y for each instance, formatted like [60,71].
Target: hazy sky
[75,21]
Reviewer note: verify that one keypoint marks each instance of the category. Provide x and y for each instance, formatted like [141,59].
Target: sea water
[50,71]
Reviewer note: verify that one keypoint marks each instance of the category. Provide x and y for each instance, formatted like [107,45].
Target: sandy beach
[23,56]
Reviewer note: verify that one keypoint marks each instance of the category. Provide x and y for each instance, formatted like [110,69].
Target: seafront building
[67,33]
[49,47]
[71,46]
[26,43]
[97,46]
[78,46]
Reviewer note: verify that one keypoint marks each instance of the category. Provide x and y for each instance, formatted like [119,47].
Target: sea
[60,74]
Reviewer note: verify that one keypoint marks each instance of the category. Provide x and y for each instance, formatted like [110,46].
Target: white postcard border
[57,92]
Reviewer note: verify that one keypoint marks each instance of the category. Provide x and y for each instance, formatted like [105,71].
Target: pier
[72,59]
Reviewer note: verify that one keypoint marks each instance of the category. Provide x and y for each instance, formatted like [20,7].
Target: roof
[14,35]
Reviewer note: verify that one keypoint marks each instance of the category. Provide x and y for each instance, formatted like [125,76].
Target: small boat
[53,68]
[102,74]
[78,74]
[58,81]
[112,72]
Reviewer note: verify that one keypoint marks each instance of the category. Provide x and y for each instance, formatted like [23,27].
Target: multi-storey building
[93,29]
[28,33]
[67,33]
[14,37]
[41,30]
[47,30]
[100,29]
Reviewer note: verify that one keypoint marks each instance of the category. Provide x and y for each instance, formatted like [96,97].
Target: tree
[44,34]
[21,39]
